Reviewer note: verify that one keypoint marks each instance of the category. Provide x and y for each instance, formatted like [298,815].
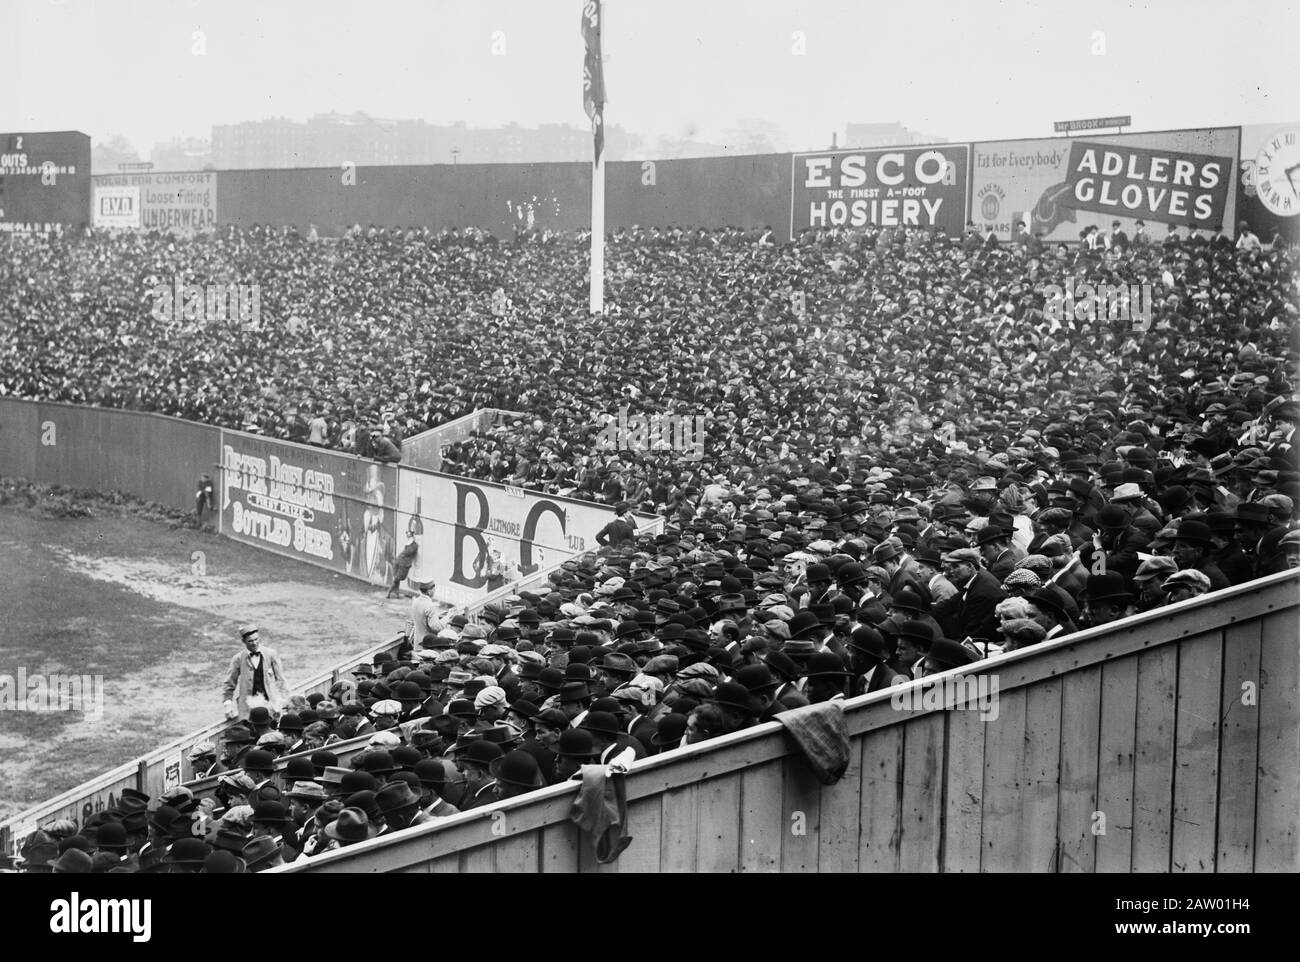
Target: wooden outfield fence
[1168,742]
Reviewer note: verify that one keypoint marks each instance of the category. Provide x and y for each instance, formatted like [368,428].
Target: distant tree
[754,135]
[104,157]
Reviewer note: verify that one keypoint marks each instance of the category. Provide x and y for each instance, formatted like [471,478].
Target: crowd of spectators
[910,466]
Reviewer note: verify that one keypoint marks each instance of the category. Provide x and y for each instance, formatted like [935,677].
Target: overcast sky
[961,69]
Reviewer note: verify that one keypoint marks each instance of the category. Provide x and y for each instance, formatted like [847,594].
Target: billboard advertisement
[183,203]
[1062,185]
[44,181]
[117,207]
[323,507]
[473,537]
[918,187]
[1269,195]
[1168,186]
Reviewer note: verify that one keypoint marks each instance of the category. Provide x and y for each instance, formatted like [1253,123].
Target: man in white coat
[254,679]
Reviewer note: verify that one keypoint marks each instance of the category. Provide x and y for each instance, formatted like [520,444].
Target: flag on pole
[593,73]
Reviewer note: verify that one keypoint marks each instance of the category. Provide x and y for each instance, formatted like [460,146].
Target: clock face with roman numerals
[1277,173]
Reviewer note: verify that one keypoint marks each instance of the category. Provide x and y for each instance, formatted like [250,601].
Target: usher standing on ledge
[255,678]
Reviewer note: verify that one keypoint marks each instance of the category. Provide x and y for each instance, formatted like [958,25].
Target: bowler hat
[602,723]
[224,862]
[518,768]
[431,772]
[1194,532]
[298,768]
[111,836]
[917,631]
[826,663]
[354,782]
[733,695]
[817,572]
[481,752]
[576,743]
[270,813]
[804,624]
[574,691]
[755,678]
[871,642]
[909,599]
[187,851]
[1106,587]
[669,731]
[258,760]
[782,664]
[1047,598]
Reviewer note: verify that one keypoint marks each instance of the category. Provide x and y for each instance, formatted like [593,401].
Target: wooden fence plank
[645,825]
[1153,760]
[560,847]
[1115,752]
[922,812]
[1239,747]
[761,818]
[1002,803]
[680,829]
[1080,734]
[719,825]
[518,854]
[1196,753]
[801,817]
[841,818]
[881,816]
[1042,777]
[479,860]
[963,790]
[1277,802]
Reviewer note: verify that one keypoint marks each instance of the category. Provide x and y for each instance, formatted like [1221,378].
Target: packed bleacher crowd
[909,466]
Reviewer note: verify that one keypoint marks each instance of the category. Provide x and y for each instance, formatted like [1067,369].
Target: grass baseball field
[119,593]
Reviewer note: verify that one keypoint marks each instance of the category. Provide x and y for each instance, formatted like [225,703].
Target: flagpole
[597,305]
[596,55]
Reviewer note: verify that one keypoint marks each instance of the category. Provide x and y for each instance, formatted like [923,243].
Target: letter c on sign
[894,160]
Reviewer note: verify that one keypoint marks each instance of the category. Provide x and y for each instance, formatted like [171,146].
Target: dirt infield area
[118,594]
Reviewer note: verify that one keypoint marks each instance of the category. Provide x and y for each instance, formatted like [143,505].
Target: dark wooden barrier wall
[1179,726]
[744,191]
[151,456]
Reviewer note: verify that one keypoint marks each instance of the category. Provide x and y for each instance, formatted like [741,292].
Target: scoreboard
[44,180]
